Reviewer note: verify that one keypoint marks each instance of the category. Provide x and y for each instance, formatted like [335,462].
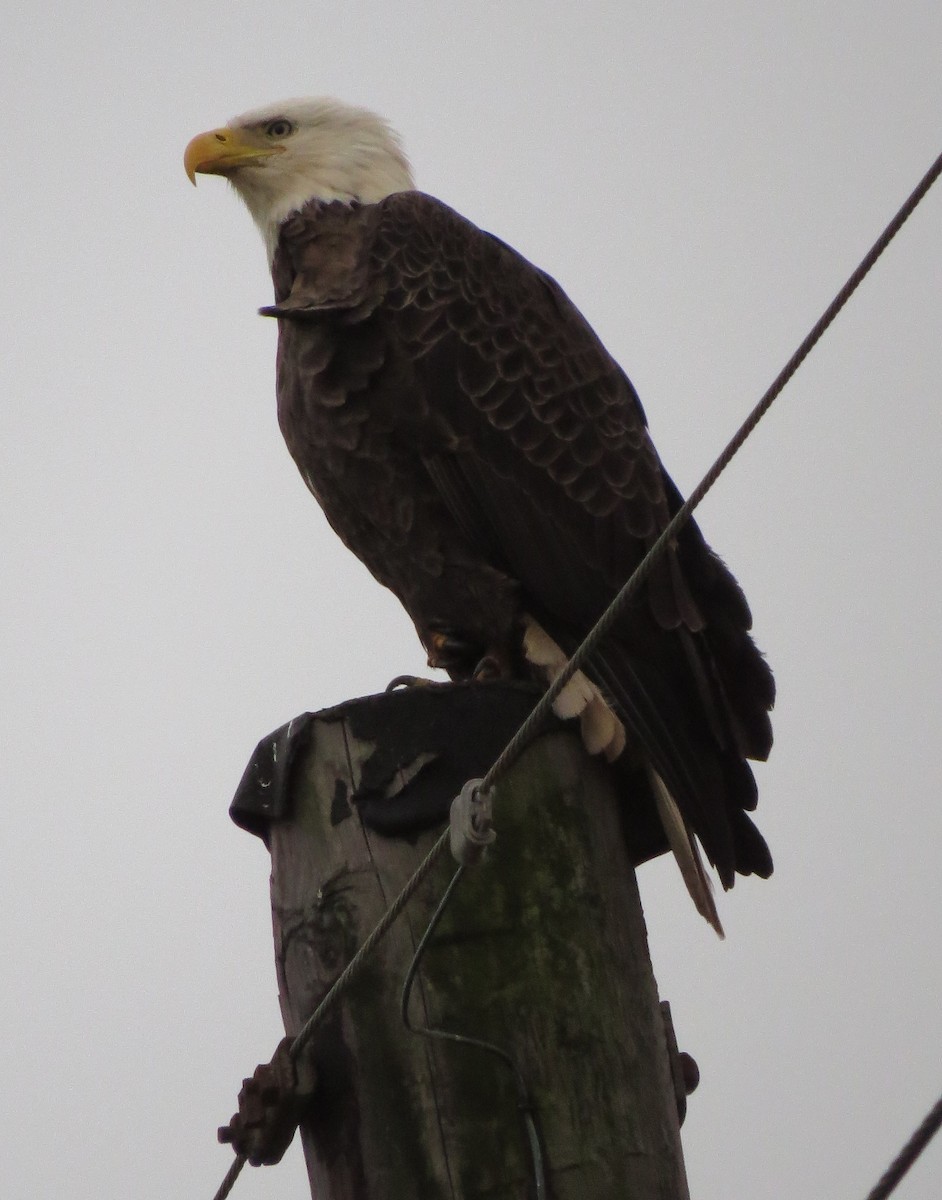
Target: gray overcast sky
[701,179]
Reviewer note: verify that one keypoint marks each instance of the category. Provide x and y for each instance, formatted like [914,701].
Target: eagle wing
[536,442]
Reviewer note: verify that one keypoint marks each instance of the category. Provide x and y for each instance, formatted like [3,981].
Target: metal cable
[541,710]
[909,1153]
[231,1176]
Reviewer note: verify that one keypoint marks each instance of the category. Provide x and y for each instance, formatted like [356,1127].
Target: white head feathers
[283,155]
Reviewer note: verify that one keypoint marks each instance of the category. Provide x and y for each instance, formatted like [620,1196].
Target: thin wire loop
[524,1103]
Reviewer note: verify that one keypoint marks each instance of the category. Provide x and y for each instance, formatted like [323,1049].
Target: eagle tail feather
[686,851]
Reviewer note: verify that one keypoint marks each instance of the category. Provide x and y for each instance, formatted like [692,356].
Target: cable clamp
[471,827]
[271,1106]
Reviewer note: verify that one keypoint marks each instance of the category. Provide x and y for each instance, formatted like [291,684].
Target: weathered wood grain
[543,951]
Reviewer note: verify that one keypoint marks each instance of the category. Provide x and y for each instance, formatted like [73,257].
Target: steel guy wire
[909,1153]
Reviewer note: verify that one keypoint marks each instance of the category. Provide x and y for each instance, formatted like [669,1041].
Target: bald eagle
[473,443]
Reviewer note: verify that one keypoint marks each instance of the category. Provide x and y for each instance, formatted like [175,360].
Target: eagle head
[279,157]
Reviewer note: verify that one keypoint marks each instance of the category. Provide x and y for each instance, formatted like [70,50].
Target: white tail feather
[686,851]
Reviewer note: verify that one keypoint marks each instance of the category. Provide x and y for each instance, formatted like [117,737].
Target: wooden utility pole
[542,952]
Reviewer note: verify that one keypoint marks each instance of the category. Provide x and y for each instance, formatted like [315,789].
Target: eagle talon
[490,667]
[408,681]
[450,653]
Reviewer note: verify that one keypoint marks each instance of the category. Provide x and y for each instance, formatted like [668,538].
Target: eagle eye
[279,128]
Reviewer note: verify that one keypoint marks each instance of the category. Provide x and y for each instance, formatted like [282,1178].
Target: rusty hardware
[685,1074]
[271,1104]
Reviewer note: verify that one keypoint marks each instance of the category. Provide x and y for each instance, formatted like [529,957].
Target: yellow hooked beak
[219,151]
